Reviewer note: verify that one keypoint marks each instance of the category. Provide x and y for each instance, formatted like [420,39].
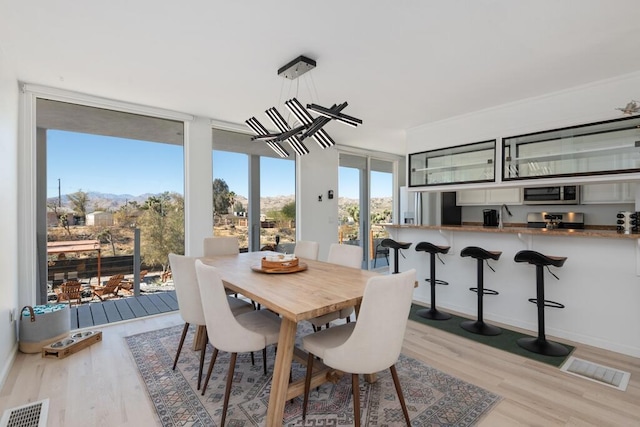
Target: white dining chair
[246,332]
[221,245]
[349,256]
[190,304]
[372,343]
[306,249]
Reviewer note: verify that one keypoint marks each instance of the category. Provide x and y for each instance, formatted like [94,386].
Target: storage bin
[41,325]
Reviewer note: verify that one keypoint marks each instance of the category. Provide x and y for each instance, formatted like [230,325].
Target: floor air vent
[598,373]
[30,415]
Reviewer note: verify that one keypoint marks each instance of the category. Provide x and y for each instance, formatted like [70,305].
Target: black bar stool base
[545,347]
[480,328]
[433,314]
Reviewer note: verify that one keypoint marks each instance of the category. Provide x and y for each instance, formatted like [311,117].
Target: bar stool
[481,255]
[396,246]
[432,312]
[540,344]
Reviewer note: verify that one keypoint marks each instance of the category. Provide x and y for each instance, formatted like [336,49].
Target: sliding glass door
[366,200]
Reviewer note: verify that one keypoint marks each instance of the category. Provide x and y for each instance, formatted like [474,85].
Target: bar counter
[599,283]
[521,229]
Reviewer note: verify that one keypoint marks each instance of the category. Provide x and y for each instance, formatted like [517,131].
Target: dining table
[302,294]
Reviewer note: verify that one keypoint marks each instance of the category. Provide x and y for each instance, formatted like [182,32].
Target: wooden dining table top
[321,288]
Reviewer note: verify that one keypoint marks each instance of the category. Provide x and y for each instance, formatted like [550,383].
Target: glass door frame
[364,225]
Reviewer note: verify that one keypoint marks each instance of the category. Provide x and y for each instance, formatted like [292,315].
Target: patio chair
[127,284]
[69,291]
[109,290]
[380,250]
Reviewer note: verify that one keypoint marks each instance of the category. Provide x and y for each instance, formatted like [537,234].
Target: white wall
[316,174]
[8,214]
[580,105]
[198,205]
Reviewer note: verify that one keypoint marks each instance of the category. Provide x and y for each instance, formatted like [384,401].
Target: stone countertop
[601,233]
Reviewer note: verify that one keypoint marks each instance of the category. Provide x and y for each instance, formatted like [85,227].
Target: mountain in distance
[112,202]
[105,201]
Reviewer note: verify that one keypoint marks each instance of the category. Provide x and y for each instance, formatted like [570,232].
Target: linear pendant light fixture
[309,126]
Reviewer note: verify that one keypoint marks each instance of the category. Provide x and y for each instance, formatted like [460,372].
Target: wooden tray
[278,264]
[280,270]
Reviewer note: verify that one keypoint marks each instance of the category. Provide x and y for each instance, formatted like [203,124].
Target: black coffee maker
[490,218]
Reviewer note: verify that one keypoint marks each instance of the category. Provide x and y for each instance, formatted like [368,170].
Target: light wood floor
[100,386]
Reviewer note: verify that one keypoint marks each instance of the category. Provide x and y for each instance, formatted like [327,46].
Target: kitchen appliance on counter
[627,222]
[556,220]
[490,218]
[555,195]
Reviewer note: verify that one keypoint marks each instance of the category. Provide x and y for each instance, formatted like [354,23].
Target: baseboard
[6,368]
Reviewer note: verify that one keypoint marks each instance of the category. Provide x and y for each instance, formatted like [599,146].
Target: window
[261,189]
[105,174]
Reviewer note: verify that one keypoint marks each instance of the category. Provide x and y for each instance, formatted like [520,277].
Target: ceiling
[398,65]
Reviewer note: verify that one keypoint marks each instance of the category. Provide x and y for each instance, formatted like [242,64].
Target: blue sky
[123,166]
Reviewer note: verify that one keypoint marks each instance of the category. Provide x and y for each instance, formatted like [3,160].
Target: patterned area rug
[433,398]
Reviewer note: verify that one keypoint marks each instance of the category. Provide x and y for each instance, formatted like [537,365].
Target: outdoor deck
[119,309]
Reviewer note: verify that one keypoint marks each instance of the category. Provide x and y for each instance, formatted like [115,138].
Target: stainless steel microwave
[554,195]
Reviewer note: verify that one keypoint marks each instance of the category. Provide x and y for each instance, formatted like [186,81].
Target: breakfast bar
[599,284]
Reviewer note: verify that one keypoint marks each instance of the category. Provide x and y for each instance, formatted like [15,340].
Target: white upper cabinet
[455,165]
[624,192]
[509,196]
[609,147]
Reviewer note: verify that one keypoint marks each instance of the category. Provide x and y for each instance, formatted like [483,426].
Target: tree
[220,197]
[62,217]
[127,215]
[380,216]
[354,213]
[79,201]
[105,235]
[289,211]
[162,228]
[238,207]
[232,200]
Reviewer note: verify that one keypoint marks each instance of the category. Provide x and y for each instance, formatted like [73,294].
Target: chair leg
[184,334]
[396,382]
[213,361]
[264,360]
[307,384]
[203,350]
[355,386]
[227,390]
[253,360]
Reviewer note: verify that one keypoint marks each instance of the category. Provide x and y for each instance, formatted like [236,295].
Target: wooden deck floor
[117,310]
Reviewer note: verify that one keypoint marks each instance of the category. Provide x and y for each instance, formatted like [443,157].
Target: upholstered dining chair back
[187,291]
[347,255]
[306,249]
[230,335]
[214,246]
[376,340]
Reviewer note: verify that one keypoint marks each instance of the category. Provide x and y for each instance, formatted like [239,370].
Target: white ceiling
[398,64]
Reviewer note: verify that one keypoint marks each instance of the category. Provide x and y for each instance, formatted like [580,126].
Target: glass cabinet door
[461,164]
[598,148]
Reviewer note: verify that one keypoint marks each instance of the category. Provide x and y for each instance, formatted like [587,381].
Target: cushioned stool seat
[396,246]
[432,312]
[540,344]
[478,326]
